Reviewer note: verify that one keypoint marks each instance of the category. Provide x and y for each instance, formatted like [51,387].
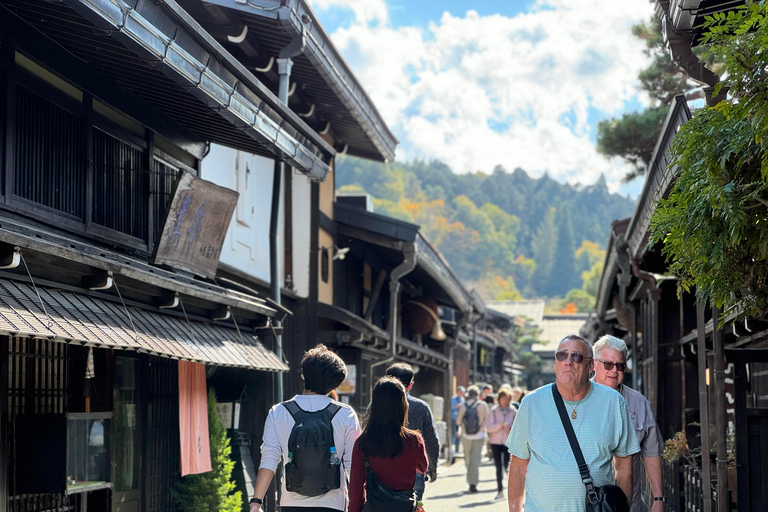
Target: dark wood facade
[703,374]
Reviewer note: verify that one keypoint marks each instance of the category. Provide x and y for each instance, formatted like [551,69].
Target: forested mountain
[501,232]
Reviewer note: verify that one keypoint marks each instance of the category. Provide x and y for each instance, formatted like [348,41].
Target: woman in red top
[395,453]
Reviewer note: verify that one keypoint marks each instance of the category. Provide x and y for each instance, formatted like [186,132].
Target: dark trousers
[500,456]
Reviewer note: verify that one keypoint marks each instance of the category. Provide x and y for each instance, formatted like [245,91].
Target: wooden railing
[695,489]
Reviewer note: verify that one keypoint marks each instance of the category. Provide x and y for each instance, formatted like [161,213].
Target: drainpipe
[624,279]
[405,268]
[284,65]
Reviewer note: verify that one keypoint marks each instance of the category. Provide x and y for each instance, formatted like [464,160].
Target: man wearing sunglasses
[610,364]
[543,470]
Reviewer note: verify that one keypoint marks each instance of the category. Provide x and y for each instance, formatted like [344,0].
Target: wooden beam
[703,405]
[4,340]
[742,490]
[375,296]
[78,252]
[721,421]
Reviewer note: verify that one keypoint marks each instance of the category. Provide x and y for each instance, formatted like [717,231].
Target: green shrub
[213,491]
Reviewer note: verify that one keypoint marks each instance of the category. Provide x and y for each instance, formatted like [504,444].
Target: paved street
[449,492]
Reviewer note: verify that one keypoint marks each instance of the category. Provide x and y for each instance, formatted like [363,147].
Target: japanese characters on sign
[196,225]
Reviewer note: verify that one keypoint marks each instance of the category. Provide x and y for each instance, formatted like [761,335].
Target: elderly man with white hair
[610,364]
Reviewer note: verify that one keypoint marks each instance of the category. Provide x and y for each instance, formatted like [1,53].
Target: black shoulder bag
[607,498]
[380,498]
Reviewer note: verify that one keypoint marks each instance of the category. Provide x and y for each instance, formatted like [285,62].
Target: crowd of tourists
[579,444]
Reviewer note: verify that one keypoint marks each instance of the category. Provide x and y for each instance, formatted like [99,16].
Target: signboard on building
[347,387]
[196,225]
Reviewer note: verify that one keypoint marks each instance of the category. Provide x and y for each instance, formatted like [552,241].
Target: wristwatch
[256,501]
[659,498]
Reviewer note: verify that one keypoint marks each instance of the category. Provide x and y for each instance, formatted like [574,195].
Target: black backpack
[471,420]
[309,472]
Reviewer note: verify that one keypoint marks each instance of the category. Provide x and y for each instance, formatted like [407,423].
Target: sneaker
[472,488]
[499,495]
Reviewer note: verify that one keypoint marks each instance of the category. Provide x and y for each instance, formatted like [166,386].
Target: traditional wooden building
[693,370]
[112,245]
[395,299]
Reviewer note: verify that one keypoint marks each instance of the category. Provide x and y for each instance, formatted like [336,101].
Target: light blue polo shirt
[603,428]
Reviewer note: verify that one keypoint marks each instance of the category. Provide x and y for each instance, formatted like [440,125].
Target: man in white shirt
[322,371]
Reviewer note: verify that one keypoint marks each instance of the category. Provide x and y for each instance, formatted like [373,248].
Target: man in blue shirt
[543,471]
[456,401]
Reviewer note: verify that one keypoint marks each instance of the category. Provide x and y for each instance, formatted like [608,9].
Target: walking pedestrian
[500,421]
[490,401]
[393,453]
[473,417]
[312,473]
[485,390]
[610,363]
[543,470]
[517,397]
[419,416]
[456,401]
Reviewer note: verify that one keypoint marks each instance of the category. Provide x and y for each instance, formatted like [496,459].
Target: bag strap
[293,409]
[586,478]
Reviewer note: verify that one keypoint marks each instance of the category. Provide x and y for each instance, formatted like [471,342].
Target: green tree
[213,491]
[591,279]
[583,301]
[633,135]
[714,223]
[543,247]
[563,275]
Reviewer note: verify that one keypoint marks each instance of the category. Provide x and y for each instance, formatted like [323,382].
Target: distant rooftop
[532,309]
[557,327]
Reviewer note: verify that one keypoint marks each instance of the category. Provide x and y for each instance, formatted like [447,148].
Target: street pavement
[449,492]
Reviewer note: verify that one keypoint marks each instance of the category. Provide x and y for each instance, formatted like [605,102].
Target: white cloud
[365,11]
[477,91]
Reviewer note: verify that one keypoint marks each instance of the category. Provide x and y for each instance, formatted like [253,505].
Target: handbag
[380,498]
[606,498]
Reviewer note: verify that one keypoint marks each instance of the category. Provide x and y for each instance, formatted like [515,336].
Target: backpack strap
[332,408]
[296,412]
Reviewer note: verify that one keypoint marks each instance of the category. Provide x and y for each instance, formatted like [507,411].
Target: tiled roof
[78,318]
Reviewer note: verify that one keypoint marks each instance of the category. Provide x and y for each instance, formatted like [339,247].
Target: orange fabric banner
[193,419]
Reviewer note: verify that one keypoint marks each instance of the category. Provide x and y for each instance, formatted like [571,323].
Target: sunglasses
[576,357]
[608,365]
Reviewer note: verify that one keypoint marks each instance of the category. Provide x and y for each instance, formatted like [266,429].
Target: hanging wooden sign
[197,222]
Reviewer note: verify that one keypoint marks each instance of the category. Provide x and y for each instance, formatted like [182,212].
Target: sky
[516,83]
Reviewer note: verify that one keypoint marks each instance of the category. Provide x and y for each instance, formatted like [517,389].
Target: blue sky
[492,82]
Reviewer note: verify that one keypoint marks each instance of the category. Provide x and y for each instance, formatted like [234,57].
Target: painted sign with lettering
[196,225]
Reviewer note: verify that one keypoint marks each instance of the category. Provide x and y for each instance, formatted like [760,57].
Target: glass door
[126,480]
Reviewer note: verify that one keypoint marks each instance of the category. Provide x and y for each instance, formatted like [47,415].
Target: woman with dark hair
[394,452]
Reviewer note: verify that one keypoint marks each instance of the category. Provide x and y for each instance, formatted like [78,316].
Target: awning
[71,317]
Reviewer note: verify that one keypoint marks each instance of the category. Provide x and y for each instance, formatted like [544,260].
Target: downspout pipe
[624,279]
[284,65]
[397,273]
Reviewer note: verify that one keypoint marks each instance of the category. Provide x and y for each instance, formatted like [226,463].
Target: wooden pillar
[742,436]
[4,340]
[703,403]
[721,422]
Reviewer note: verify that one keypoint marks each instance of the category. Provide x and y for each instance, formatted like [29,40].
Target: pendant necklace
[573,410]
